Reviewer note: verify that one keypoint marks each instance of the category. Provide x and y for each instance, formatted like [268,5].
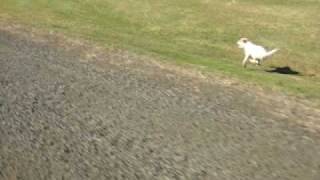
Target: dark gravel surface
[62,117]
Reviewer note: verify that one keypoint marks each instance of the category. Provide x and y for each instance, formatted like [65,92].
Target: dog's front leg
[245,60]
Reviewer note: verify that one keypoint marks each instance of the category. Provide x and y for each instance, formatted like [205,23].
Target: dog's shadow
[284,70]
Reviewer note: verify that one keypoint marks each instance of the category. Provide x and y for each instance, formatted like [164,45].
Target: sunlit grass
[199,32]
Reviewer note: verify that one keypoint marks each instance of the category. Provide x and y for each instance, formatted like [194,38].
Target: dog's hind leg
[258,62]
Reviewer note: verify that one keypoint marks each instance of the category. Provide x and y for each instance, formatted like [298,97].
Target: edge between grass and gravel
[114,25]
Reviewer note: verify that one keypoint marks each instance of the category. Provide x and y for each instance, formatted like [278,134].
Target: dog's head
[242,42]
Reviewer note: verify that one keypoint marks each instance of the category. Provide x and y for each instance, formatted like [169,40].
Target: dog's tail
[270,53]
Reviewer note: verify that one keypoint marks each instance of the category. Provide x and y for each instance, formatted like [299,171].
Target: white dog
[253,53]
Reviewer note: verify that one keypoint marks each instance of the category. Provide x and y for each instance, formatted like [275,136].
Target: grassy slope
[200,32]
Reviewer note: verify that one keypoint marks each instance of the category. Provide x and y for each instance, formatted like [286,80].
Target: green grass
[199,32]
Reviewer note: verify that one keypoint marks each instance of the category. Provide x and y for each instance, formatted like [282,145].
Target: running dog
[253,53]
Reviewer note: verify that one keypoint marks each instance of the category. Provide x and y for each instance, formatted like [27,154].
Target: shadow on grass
[283,70]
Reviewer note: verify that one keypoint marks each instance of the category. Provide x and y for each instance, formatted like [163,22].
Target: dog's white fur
[253,53]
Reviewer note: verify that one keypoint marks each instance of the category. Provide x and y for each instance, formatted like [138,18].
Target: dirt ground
[70,112]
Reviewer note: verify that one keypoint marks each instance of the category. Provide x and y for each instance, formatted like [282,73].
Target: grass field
[199,32]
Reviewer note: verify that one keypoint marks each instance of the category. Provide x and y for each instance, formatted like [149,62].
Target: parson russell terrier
[253,53]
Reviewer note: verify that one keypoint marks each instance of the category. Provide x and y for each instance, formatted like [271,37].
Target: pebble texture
[64,118]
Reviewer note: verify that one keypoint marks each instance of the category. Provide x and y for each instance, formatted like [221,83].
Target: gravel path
[65,117]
